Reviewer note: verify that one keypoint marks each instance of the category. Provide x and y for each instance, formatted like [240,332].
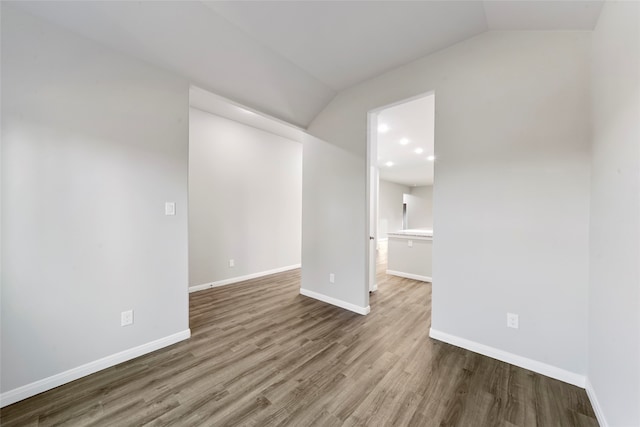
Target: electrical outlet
[170,208]
[512,320]
[126,318]
[332,278]
[410,243]
[232,263]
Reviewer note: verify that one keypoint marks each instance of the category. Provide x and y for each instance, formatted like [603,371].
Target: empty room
[201,223]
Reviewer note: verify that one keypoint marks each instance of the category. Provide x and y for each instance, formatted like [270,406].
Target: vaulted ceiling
[289,59]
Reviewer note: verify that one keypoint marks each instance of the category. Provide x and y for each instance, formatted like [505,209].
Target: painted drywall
[511,199]
[421,209]
[334,236]
[614,290]
[245,199]
[93,145]
[390,207]
[418,211]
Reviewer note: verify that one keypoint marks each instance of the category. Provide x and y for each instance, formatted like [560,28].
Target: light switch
[410,243]
[170,208]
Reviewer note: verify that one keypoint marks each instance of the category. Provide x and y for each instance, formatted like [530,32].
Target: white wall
[614,291]
[245,199]
[511,201]
[94,144]
[334,232]
[420,212]
[390,207]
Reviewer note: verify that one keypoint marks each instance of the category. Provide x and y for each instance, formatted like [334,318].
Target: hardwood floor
[263,355]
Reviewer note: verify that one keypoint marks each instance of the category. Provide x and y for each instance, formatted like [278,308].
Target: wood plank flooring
[263,355]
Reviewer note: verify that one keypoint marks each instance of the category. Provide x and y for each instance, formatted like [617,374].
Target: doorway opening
[245,193]
[401,161]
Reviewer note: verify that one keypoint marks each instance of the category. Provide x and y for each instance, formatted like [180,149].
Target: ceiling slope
[343,43]
[191,40]
[289,59]
[568,15]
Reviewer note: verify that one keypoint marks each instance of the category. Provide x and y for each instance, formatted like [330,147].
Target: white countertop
[418,232]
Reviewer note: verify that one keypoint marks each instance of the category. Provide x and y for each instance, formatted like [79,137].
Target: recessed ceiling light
[389,164]
[404,141]
[431,158]
[382,128]
[418,150]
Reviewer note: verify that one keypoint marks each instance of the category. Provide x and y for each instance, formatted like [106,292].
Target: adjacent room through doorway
[401,177]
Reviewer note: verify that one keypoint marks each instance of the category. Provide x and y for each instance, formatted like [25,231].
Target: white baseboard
[233,280]
[514,359]
[409,276]
[596,404]
[28,390]
[336,302]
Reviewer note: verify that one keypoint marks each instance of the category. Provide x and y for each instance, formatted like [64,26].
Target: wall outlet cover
[126,318]
[512,320]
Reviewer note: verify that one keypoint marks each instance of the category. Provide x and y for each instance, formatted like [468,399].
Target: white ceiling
[342,43]
[288,59]
[414,122]
[568,15]
[189,39]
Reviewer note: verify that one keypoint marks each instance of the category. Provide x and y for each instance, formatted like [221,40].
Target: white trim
[591,393]
[383,239]
[336,302]
[233,280]
[410,276]
[514,359]
[28,390]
